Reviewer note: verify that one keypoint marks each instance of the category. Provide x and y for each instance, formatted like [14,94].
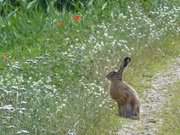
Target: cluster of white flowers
[35,86]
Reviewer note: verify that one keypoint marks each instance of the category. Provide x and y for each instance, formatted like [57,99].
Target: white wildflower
[9,108]
[23,132]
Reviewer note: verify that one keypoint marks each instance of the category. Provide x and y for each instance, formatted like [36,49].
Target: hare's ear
[126,61]
[124,64]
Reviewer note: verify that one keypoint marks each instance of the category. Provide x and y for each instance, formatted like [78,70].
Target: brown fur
[125,96]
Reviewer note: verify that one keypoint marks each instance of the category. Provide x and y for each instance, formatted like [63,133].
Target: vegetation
[53,64]
[171,114]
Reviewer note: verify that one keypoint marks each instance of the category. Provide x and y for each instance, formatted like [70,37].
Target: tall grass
[53,67]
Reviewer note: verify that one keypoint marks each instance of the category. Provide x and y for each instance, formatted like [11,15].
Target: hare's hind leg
[128,112]
[136,111]
[125,110]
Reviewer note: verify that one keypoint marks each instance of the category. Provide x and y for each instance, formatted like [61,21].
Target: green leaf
[104,6]
[32,4]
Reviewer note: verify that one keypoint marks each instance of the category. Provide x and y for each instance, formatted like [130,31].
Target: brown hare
[125,96]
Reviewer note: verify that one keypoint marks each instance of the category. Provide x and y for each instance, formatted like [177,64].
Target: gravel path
[154,100]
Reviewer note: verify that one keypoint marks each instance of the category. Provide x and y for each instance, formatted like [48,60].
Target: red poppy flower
[77,18]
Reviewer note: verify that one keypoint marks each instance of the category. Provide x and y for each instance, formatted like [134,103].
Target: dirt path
[154,100]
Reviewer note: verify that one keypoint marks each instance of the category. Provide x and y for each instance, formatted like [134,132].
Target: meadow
[53,65]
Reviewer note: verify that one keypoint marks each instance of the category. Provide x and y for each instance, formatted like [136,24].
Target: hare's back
[130,90]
